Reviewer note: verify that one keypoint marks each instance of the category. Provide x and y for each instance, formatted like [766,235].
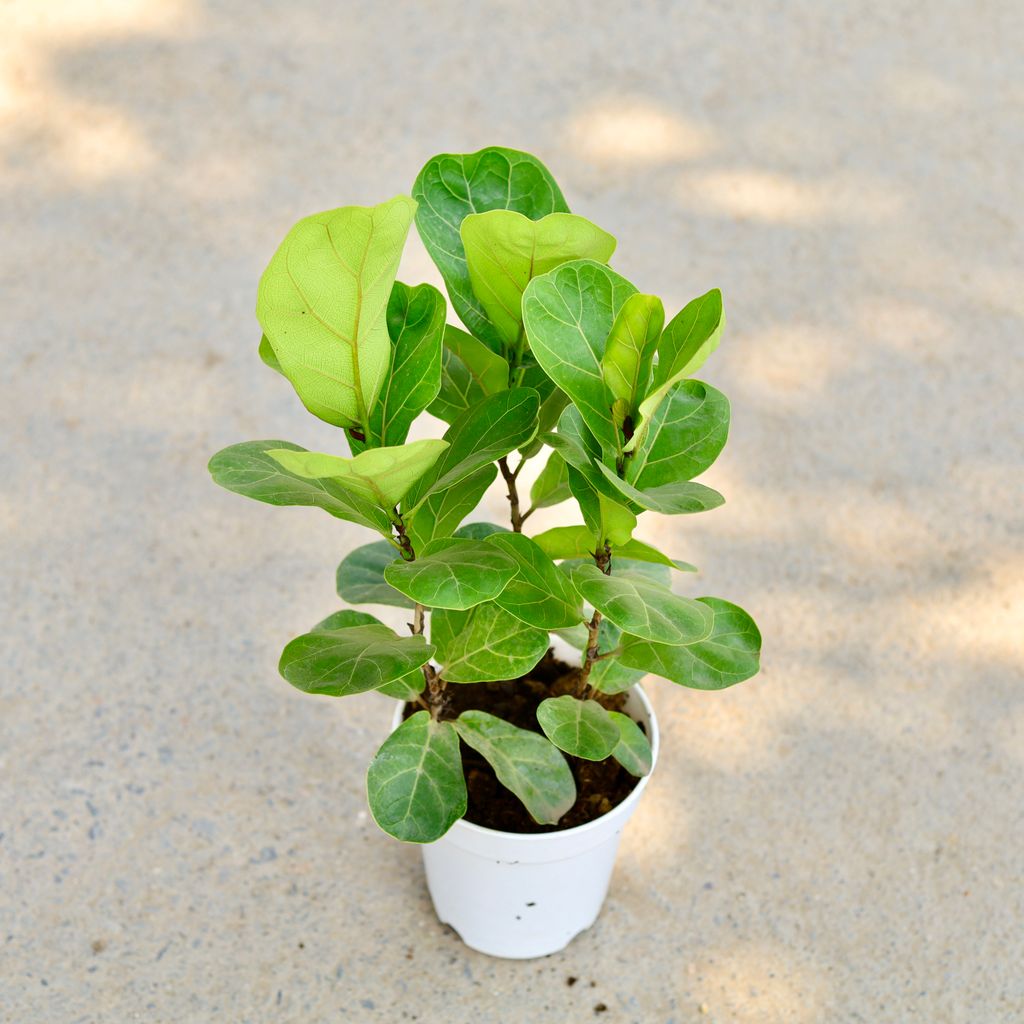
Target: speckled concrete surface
[184,838]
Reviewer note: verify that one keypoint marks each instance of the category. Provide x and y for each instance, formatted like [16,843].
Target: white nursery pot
[521,895]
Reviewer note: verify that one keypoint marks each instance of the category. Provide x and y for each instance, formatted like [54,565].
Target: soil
[600,785]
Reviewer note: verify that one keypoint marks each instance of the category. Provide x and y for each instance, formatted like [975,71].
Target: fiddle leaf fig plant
[555,351]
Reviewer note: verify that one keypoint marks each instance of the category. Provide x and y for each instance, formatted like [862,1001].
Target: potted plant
[515,769]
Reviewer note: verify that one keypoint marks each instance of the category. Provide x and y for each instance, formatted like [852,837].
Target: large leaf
[415,785]
[729,655]
[633,750]
[505,251]
[443,511]
[552,484]
[351,659]
[685,435]
[679,497]
[415,320]
[478,531]
[485,643]
[360,576]
[453,573]
[579,727]
[642,607]
[323,306]
[524,761]
[380,475]
[469,372]
[481,435]
[629,352]
[538,594]
[687,341]
[578,542]
[453,185]
[568,314]
[248,469]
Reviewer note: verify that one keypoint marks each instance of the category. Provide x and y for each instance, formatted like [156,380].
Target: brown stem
[513,494]
[591,655]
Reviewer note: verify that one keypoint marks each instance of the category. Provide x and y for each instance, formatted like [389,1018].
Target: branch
[513,494]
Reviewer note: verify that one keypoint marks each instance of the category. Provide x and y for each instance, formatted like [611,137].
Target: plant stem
[591,655]
[513,494]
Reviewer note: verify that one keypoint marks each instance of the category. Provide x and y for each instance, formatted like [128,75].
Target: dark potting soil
[600,785]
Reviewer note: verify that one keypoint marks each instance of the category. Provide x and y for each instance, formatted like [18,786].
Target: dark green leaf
[469,372]
[441,512]
[579,727]
[360,577]
[478,531]
[453,573]
[539,594]
[485,643]
[633,750]
[552,485]
[682,497]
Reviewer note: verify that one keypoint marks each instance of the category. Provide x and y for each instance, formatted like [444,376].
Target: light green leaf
[629,352]
[729,655]
[524,761]
[643,608]
[415,319]
[380,475]
[496,426]
[505,251]
[360,576]
[552,485]
[681,497]
[687,341]
[351,659]
[607,519]
[539,594]
[578,542]
[685,435]
[248,469]
[568,314]
[579,727]
[323,306]
[453,573]
[453,185]
[469,372]
[443,511]
[633,750]
[485,643]
[267,355]
[415,785]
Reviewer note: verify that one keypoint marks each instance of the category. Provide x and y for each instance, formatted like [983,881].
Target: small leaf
[568,314]
[485,643]
[579,727]
[323,306]
[629,352]
[524,761]
[415,319]
[539,594]
[441,512]
[729,655]
[505,251]
[578,542]
[351,659]
[552,485]
[642,607]
[415,784]
[453,185]
[682,497]
[267,355]
[633,750]
[453,573]
[406,689]
[380,475]
[346,617]
[469,372]
[360,576]
[607,519]
[248,469]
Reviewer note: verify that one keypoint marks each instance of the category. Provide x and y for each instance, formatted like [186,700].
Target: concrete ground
[183,837]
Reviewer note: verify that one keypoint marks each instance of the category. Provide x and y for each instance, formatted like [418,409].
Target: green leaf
[469,372]
[415,320]
[607,519]
[453,573]
[478,531]
[608,675]
[642,607]
[267,355]
[346,617]
[360,576]
[729,655]
[685,436]
[442,512]
[688,339]
[453,185]
[415,785]
[351,659]
[406,689]
[485,643]
[681,497]
[552,485]
[505,251]
[539,594]
[579,727]
[248,469]
[633,750]
[578,542]
[629,352]
[524,761]
[323,306]
[380,475]
[568,314]
[481,435]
